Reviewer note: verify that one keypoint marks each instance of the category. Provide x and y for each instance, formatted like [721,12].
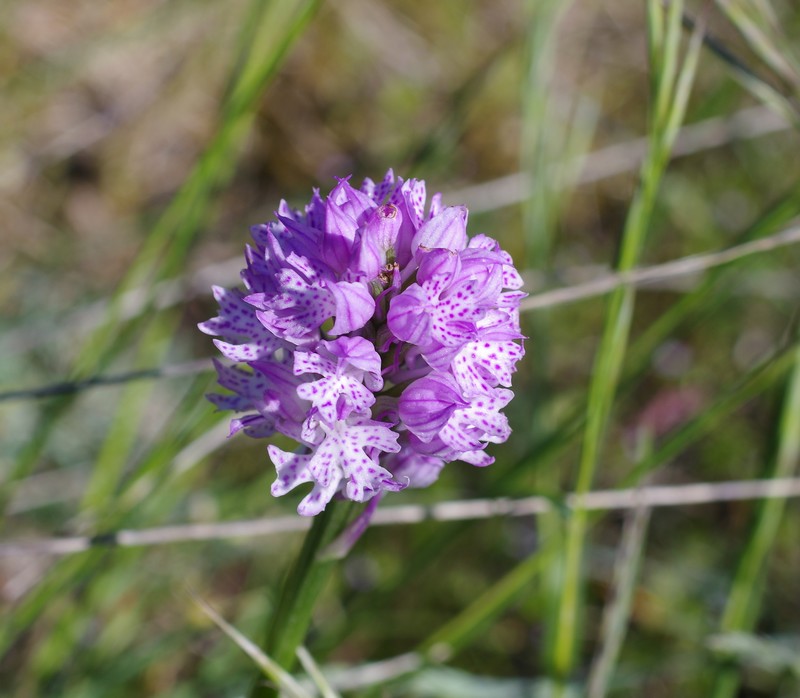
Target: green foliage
[138,144]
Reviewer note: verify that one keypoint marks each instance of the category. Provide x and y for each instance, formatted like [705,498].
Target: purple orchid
[376,335]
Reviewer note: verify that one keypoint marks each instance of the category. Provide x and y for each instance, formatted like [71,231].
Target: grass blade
[313,670]
[741,609]
[270,667]
[617,612]
[611,352]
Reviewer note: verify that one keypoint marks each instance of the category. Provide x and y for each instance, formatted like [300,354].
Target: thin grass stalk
[316,674]
[744,599]
[749,79]
[655,44]
[667,113]
[666,67]
[766,47]
[542,141]
[618,610]
[701,300]
[271,669]
[694,494]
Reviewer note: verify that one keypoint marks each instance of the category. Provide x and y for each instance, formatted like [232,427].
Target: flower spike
[375,334]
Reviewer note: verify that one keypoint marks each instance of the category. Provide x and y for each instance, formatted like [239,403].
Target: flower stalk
[289,622]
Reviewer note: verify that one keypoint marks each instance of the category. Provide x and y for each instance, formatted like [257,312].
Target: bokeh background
[139,141]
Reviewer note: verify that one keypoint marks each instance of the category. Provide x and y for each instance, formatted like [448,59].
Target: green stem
[304,583]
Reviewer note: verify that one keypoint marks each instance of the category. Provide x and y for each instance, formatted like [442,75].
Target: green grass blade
[741,609]
[543,135]
[100,496]
[549,143]
[467,625]
[683,88]
[769,49]
[666,63]
[611,353]
[655,43]
[263,661]
[316,674]
[759,379]
[749,79]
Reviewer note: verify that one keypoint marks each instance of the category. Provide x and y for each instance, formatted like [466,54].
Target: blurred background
[139,141]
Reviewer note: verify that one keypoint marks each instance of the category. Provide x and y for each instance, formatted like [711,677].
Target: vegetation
[140,141]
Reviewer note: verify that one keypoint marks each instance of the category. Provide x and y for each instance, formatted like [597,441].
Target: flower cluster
[376,335]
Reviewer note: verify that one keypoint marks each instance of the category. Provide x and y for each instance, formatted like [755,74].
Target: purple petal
[481,366]
[340,232]
[354,306]
[428,403]
[448,230]
[236,319]
[378,192]
[436,205]
[376,238]
[408,316]
[419,469]
[353,202]
[312,362]
[360,354]
[249,351]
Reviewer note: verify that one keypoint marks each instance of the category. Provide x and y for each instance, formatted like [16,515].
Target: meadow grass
[141,143]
